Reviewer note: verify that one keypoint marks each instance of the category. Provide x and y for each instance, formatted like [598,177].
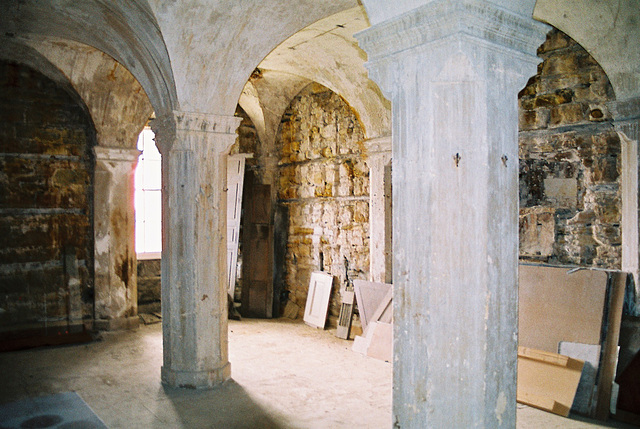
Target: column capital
[445,18]
[625,110]
[438,23]
[626,116]
[106,153]
[206,123]
[171,129]
[378,145]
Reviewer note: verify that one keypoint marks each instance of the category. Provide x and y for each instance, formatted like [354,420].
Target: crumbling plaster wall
[46,171]
[570,161]
[324,184]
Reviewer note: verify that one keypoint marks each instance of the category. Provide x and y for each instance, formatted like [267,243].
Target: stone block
[149,290]
[555,40]
[559,96]
[533,119]
[149,268]
[537,231]
[567,114]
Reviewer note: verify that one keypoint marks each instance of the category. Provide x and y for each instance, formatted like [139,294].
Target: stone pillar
[379,151]
[194,148]
[626,116]
[116,293]
[452,70]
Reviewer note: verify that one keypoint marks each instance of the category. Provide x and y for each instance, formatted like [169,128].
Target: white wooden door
[235,182]
[315,311]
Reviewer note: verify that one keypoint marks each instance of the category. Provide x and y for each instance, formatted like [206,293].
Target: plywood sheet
[555,306]
[315,311]
[547,380]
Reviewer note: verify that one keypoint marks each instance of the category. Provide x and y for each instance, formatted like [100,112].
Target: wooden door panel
[257,250]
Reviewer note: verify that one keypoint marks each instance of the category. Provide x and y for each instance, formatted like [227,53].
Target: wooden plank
[543,403]
[547,380]
[315,311]
[555,305]
[257,247]
[610,344]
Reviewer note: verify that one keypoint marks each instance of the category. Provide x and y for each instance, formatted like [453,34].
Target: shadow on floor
[226,406]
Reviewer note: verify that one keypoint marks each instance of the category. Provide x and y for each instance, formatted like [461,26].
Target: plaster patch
[501,406]
[102,244]
[561,192]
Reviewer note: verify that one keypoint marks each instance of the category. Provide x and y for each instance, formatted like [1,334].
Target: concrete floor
[285,375]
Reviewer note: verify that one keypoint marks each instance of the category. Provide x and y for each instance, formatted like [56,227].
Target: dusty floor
[285,375]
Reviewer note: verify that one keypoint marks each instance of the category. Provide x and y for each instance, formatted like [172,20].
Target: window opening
[148,197]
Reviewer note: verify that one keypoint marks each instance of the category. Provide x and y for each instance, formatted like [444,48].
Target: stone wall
[46,175]
[324,184]
[570,161]
[149,285]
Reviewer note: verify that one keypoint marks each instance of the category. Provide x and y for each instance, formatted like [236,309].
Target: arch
[127,31]
[10,50]
[117,102]
[264,99]
[617,26]
[326,52]
[46,169]
[208,71]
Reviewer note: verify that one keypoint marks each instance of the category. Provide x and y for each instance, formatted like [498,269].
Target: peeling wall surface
[324,184]
[570,161]
[46,245]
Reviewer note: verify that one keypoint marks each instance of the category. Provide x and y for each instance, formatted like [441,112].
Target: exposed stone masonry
[570,201]
[46,175]
[324,182]
[149,285]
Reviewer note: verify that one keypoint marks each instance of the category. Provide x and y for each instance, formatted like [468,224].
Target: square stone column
[115,272]
[452,70]
[194,149]
[626,114]
[379,152]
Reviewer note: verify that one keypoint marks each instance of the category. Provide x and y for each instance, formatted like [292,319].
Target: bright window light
[148,195]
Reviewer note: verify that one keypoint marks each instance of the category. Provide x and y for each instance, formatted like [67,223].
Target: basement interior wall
[46,176]
[570,161]
[322,186]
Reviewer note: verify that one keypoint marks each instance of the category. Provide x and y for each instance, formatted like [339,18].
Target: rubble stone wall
[570,161]
[324,184]
[46,179]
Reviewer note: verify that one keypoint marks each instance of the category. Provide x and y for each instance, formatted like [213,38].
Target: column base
[121,323]
[196,379]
